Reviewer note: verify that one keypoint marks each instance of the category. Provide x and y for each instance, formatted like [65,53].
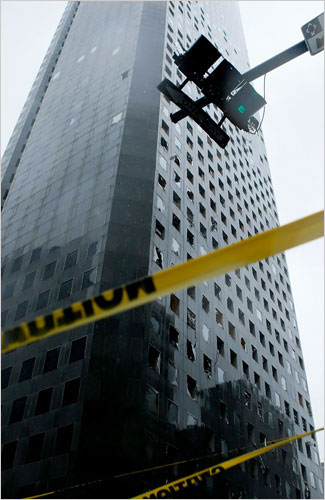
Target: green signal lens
[241,109]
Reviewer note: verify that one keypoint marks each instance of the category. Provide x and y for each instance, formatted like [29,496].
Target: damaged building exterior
[100,188]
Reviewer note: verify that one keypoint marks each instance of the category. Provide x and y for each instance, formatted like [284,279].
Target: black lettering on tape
[215,470]
[12,336]
[69,316]
[114,301]
[88,308]
[36,331]
[145,284]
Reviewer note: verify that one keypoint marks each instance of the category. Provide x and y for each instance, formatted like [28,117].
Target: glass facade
[101,188]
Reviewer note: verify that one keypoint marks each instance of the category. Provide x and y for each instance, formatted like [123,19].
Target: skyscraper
[100,188]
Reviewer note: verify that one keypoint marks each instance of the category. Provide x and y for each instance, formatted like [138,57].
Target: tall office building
[101,188]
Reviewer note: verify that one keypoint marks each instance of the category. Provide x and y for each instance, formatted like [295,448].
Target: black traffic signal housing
[224,86]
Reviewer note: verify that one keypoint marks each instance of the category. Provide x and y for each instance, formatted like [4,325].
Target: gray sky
[293,129]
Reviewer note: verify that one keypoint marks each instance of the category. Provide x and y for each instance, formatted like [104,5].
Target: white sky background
[293,128]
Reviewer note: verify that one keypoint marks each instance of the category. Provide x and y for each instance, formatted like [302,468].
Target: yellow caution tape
[176,278]
[279,441]
[168,490]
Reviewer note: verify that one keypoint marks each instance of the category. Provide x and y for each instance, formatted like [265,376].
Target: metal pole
[276,61]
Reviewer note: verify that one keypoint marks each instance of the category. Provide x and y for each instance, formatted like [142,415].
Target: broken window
[277,400]
[231,330]
[190,216]
[172,374]
[190,350]
[177,179]
[191,387]
[160,230]
[162,183]
[164,143]
[205,332]
[205,304]
[190,176]
[308,406]
[165,127]
[257,380]
[254,353]
[239,292]
[259,410]
[221,375]
[217,291]
[151,399]
[176,222]
[233,358]
[245,369]
[174,304]
[160,204]
[241,316]
[230,304]
[220,346]
[287,408]
[203,230]
[207,365]
[176,199]
[191,319]
[274,373]
[173,336]
[190,238]
[172,413]
[190,194]
[158,257]
[219,317]
[243,343]
[247,399]
[265,364]
[228,280]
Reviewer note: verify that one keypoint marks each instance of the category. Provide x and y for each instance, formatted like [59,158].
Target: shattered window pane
[160,204]
[154,358]
[191,319]
[205,332]
[158,257]
[190,351]
[151,398]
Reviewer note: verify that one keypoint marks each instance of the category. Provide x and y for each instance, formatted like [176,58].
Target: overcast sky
[293,128]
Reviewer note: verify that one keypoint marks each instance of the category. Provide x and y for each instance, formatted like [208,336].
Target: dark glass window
[65,289]
[71,259]
[43,401]
[35,447]
[17,264]
[29,280]
[89,278]
[5,377]
[71,392]
[78,349]
[8,455]
[17,410]
[51,360]
[4,315]
[42,300]
[9,290]
[49,270]
[21,310]
[92,249]
[26,370]
[63,439]
[36,254]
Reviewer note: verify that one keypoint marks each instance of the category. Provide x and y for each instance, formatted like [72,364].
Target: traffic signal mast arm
[276,61]
[254,73]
